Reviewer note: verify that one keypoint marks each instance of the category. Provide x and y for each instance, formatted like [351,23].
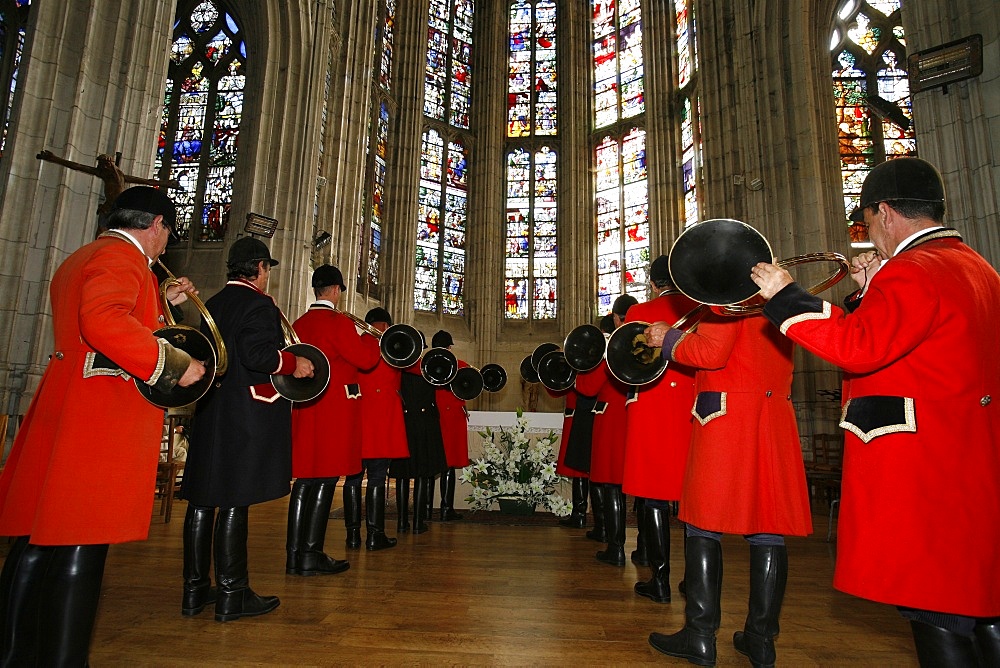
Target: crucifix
[114,178]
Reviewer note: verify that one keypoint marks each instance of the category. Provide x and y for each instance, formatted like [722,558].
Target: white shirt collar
[135,242]
[920,233]
[325,302]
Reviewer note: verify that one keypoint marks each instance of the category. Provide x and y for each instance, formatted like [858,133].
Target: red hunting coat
[83,466]
[561,468]
[745,473]
[921,483]
[326,432]
[607,454]
[454,425]
[383,433]
[658,419]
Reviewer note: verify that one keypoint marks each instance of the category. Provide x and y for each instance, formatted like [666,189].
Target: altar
[539,424]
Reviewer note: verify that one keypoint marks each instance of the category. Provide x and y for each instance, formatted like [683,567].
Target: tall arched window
[872,94]
[689,118]
[202,111]
[383,103]
[530,262]
[13,19]
[443,193]
[622,197]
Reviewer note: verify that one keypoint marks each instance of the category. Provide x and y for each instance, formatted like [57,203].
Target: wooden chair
[168,471]
[825,471]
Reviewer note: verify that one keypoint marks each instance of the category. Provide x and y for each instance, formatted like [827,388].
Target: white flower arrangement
[516,466]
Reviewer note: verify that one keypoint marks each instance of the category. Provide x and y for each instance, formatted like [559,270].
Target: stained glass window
[622,218]
[447,73]
[370,251]
[530,258]
[619,88]
[531,70]
[868,51]
[440,254]
[690,111]
[203,101]
[13,19]
[443,190]
[620,186]
[531,247]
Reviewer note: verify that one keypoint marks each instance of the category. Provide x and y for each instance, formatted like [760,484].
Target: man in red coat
[326,432]
[744,476]
[454,432]
[383,435]
[918,346]
[607,456]
[66,497]
[657,436]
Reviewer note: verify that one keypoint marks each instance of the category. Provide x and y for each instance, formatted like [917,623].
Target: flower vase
[514,506]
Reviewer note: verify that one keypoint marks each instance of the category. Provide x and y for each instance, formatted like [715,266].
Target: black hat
[659,271]
[378,314]
[623,304]
[900,178]
[327,275]
[608,324]
[442,339]
[151,200]
[247,249]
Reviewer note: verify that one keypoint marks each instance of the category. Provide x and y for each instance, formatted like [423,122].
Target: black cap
[378,314]
[327,275]
[623,304]
[900,178]
[151,200]
[608,324]
[247,249]
[659,271]
[442,339]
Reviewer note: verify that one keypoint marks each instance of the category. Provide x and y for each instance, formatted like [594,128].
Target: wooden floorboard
[468,594]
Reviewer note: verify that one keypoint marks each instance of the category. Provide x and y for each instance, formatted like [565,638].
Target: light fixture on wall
[946,64]
[260,225]
[322,239]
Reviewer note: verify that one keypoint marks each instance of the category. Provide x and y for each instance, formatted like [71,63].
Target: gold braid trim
[825,315]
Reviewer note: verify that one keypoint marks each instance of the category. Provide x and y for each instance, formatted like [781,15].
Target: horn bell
[555,373]
[401,346]
[494,377]
[439,366]
[195,344]
[540,351]
[468,383]
[528,372]
[630,359]
[585,347]
[304,389]
[710,262]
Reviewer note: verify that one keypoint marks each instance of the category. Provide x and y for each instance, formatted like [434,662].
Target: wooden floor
[468,594]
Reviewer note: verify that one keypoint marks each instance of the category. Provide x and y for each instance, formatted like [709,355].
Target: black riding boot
[235,599]
[940,648]
[298,502]
[657,532]
[68,607]
[578,518]
[448,497]
[639,554]
[703,575]
[421,488]
[598,533]
[988,641]
[22,582]
[768,573]
[352,514]
[614,524]
[311,558]
[375,518]
[199,524]
[402,505]
[429,500]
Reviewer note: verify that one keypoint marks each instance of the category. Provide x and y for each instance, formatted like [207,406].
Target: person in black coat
[427,458]
[240,451]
